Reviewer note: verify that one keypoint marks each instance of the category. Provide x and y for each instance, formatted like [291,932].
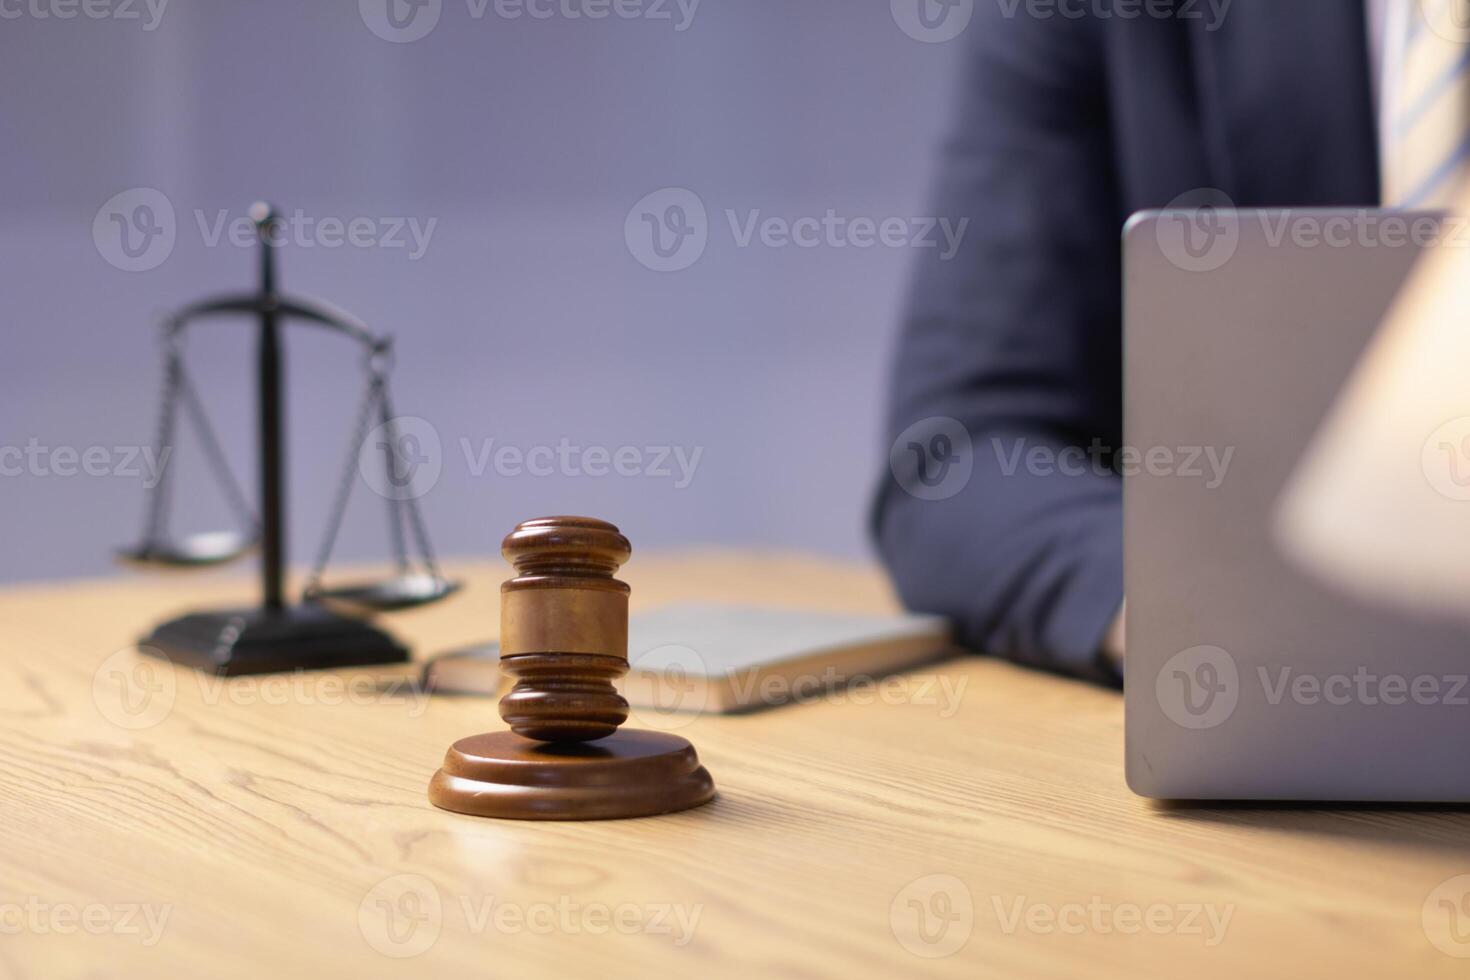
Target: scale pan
[194,551]
[392,595]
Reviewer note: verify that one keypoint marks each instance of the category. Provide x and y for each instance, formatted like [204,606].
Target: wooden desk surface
[281,829]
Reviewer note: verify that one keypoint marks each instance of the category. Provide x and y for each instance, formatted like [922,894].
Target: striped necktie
[1426,149]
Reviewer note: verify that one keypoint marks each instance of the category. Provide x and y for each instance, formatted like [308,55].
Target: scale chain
[215,453]
[410,503]
[163,439]
[395,506]
[375,392]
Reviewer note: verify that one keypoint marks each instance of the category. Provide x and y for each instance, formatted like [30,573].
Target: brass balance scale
[329,626]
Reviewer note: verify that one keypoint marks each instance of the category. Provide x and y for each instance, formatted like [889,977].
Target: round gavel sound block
[564,638]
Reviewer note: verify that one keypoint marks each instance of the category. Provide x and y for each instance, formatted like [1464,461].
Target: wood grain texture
[283,828]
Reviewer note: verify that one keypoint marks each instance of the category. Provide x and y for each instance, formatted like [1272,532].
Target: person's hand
[1113,642]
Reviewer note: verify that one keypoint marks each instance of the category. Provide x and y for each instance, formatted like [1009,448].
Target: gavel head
[564,629]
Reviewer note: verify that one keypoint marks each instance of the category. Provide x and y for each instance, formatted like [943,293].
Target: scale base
[627,774]
[229,642]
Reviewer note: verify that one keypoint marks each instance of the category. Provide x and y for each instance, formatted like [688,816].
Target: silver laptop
[1248,677]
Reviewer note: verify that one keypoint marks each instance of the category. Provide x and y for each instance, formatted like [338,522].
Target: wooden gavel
[564,638]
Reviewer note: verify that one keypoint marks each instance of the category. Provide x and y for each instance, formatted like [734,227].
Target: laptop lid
[1247,677]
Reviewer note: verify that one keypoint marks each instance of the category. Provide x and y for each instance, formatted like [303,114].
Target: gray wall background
[528,319]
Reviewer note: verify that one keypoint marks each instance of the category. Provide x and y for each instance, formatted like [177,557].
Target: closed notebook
[724,659]
[734,658]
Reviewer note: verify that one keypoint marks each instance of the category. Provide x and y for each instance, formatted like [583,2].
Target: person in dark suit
[1001,508]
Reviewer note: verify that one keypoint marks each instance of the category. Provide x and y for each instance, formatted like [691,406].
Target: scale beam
[290,308]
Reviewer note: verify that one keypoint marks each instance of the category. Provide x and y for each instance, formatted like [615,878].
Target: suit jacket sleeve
[1016,337]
